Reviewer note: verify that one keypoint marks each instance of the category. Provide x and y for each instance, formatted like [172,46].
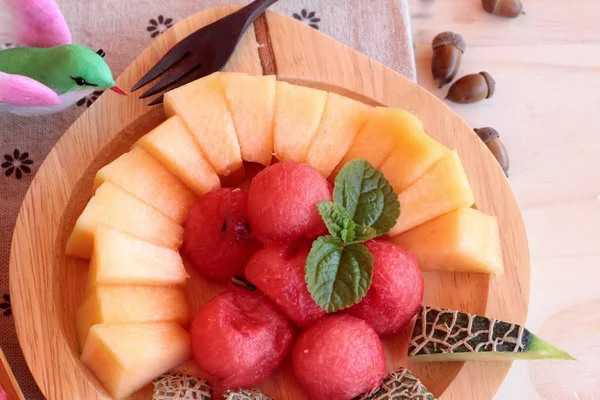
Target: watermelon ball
[279,272]
[396,291]
[282,203]
[217,238]
[240,337]
[338,358]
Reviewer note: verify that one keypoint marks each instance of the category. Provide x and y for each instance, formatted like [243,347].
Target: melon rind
[399,384]
[180,386]
[450,335]
[242,394]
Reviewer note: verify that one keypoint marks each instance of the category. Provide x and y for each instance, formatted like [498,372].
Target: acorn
[472,88]
[448,48]
[503,8]
[491,138]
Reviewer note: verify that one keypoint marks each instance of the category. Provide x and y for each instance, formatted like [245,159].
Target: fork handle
[255,9]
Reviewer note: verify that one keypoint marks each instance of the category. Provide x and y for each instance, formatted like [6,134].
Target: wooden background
[547,109]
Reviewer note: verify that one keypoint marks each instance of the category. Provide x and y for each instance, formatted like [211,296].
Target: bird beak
[118,90]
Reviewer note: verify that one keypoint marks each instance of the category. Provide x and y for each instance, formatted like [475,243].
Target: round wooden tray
[46,287]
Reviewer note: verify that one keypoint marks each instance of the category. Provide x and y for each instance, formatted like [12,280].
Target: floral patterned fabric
[378,28]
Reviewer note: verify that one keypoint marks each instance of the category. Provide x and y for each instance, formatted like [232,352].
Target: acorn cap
[490,82]
[448,37]
[489,5]
[486,134]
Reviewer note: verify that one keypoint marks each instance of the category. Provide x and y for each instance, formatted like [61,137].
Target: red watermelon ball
[338,358]
[217,239]
[279,272]
[396,291]
[282,203]
[240,337]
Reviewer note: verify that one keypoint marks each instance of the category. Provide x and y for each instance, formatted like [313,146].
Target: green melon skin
[399,385]
[449,335]
[241,394]
[180,386]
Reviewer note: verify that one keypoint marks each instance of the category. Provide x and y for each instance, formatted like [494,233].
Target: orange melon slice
[298,110]
[120,258]
[172,145]
[114,207]
[127,304]
[342,119]
[464,240]
[443,188]
[141,175]
[414,153]
[202,107]
[127,357]
[380,135]
[251,100]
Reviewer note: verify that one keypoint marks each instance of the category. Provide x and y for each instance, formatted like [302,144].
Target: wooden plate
[46,287]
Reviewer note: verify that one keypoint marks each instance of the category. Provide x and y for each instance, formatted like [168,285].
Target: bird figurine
[48,74]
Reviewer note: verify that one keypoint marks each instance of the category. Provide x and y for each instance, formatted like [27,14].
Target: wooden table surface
[547,109]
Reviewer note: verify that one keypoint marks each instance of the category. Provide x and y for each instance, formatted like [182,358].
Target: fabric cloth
[377,28]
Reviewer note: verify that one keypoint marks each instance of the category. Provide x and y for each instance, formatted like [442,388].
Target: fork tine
[168,60]
[192,76]
[183,68]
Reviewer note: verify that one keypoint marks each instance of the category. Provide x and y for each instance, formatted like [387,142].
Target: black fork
[203,52]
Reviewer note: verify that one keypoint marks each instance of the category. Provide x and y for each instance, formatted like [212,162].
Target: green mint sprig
[339,269]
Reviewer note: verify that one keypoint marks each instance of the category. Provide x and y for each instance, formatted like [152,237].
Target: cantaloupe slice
[127,357]
[120,258]
[443,188]
[251,100]
[464,240]
[342,119]
[172,145]
[127,304]
[298,110]
[114,207]
[380,135]
[141,175]
[202,107]
[413,154]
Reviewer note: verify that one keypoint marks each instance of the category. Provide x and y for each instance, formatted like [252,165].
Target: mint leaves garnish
[338,221]
[367,196]
[338,275]
[339,269]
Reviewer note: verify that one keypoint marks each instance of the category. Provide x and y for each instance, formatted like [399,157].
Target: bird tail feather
[8,32]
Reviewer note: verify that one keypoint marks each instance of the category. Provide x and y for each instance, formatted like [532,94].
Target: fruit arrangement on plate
[306,218]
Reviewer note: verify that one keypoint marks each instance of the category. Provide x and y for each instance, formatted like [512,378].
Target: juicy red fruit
[338,358]
[282,203]
[279,272]
[396,291]
[240,337]
[218,239]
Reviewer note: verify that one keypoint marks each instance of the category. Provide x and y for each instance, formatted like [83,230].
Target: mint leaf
[367,196]
[338,276]
[364,233]
[339,223]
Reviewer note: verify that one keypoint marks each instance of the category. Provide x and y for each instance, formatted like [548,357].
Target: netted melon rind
[180,386]
[253,394]
[399,385]
[442,331]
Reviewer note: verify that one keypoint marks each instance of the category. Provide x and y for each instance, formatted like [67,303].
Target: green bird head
[68,68]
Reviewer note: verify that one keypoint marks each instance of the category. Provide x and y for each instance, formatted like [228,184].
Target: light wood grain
[547,69]
[46,287]
[8,381]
